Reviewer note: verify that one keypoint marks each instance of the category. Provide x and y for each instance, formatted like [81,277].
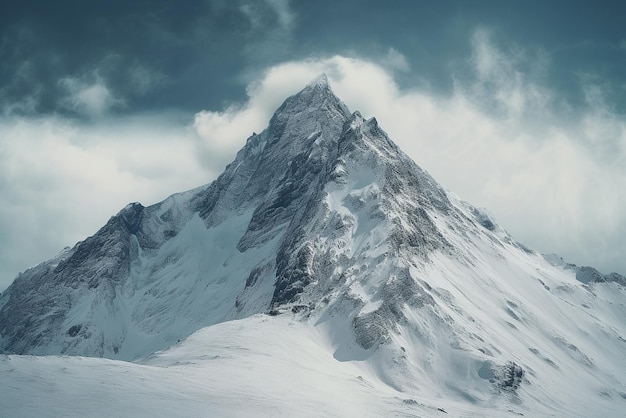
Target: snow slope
[321,254]
[258,366]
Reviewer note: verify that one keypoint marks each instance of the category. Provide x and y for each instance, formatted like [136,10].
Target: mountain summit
[323,219]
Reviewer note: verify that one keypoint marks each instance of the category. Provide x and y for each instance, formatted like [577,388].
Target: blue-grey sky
[519,107]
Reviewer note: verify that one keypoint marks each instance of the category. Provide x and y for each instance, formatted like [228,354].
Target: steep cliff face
[323,218]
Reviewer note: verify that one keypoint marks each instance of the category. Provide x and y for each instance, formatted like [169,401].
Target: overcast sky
[517,107]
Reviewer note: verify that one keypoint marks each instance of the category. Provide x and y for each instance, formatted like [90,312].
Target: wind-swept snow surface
[324,274]
[259,366]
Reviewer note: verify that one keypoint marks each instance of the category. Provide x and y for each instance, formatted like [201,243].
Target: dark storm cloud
[149,54]
[581,37]
[200,53]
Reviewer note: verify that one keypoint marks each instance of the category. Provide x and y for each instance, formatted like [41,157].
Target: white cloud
[61,181]
[500,86]
[396,60]
[222,133]
[88,98]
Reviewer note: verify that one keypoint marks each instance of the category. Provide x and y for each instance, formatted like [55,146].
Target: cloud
[269,14]
[60,181]
[286,17]
[602,130]
[88,98]
[396,60]
[21,94]
[143,79]
[271,29]
[501,140]
[221,132]
[499,83]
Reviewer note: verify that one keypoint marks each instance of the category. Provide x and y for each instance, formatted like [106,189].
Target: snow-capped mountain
[323,225]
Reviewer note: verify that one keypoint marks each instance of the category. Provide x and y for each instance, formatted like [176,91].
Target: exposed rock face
[586,274]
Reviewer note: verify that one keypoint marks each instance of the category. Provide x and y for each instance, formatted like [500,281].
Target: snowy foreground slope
[265,366]
[322,274]
[259,366]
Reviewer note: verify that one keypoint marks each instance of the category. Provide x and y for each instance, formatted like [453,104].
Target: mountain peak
[314,108]
[316,94]
[321,80]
